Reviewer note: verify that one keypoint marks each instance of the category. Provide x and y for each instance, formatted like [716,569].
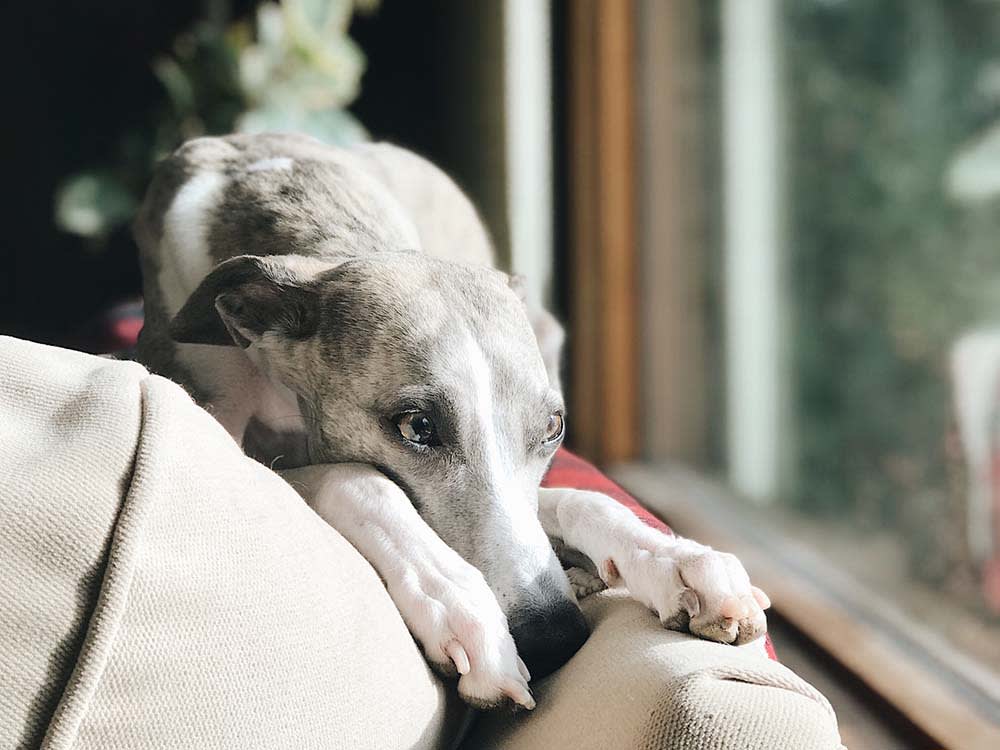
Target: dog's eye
[554,429]
[416,427]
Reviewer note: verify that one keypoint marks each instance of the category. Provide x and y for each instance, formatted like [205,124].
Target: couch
[161,590]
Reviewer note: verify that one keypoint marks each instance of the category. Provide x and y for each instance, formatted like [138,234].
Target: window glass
[891,284]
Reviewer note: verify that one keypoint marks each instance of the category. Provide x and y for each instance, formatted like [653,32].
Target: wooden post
[672,234]
[604,382]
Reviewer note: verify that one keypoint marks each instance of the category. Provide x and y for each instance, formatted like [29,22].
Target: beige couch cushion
[635,685]
[161,590]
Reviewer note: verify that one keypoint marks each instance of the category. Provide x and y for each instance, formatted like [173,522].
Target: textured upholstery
[635,685]
[68,430]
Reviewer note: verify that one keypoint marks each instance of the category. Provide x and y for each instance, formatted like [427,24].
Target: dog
[337,311]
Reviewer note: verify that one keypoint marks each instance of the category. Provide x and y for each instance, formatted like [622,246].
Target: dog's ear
[548,332]
[244,297]
[519,285]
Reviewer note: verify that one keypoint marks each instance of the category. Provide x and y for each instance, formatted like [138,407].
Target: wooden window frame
[601,257]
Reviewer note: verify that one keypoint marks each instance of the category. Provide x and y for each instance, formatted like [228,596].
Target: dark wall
[435,84]
[411,48]
[74,72]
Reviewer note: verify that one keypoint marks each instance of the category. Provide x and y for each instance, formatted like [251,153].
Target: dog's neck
[275,432]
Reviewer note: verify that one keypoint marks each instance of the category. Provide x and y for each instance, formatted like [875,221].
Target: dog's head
[431,372]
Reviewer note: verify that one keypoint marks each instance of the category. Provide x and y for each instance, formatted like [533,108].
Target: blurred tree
[888,265]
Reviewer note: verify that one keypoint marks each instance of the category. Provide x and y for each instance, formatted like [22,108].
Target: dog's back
[277,194]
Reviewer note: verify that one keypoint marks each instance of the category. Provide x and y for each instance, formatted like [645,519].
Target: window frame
[635,253]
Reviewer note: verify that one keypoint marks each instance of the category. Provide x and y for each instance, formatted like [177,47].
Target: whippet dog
[337,311]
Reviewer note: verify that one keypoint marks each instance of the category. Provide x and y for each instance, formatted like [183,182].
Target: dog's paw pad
[697,589]
[583,583]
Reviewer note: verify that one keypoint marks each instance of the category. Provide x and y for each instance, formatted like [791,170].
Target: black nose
[546,637]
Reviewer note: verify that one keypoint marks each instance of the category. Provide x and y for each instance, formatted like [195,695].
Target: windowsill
[938,689]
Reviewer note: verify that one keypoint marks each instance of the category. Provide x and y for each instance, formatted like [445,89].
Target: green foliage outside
[291,66]
[894,250]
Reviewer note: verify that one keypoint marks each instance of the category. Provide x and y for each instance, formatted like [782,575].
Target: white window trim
[752,174]
[528,124]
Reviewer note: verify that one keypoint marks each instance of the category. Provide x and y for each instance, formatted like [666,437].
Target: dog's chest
[277,448]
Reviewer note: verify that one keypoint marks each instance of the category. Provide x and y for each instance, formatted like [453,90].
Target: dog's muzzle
[548,633]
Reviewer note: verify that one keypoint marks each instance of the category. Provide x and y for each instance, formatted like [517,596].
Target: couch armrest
[636,685]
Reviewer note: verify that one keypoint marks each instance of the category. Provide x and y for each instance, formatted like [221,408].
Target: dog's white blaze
[185,258]
[515,512]
[276,164]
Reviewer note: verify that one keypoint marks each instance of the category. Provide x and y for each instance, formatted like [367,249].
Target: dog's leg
[690,586]
[444,600]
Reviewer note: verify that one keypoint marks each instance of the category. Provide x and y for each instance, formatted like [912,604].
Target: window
[818,225]
[872,317]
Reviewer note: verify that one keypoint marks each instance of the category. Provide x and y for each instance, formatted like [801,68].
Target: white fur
[514,518]
[687,584]
[445,602]
[277,164]
[185,256]
[185,260]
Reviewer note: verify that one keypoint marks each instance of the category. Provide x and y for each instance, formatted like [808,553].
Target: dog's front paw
[463,631]
[583,582]
[694,588]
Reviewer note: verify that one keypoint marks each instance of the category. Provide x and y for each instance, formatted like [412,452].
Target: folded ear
[247,296]
[550,336]
[519,285]
[548,331]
